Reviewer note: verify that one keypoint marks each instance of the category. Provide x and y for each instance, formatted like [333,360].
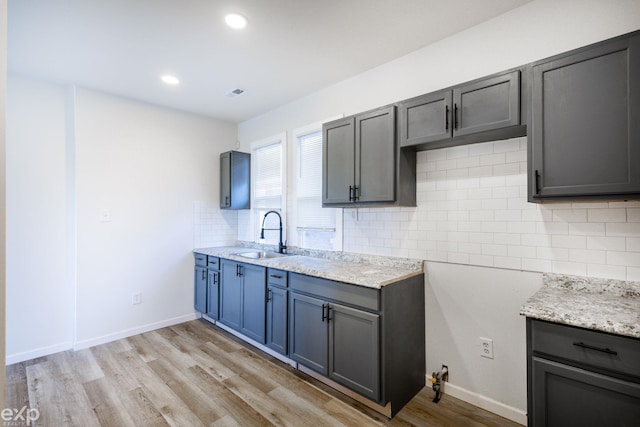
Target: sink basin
[260,255]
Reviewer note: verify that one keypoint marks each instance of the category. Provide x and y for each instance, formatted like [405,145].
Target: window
[316,225]
[267,187]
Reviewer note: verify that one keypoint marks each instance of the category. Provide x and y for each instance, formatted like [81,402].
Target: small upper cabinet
[489,104]
[584,134]
[235,180]
[362,163]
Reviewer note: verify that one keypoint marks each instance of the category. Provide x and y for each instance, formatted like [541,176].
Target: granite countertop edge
[371,271]
[604,305]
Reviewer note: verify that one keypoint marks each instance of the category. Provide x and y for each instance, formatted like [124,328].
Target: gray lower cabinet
[277,311]
[200,290]
[340,342]
[442,118]
[200,283]
[579,377]
[368,340]
[213,287]
[243,297]
[584,132]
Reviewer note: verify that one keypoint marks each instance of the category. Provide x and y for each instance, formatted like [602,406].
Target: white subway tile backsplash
[606,243]
[587,229]
[607,215]
[570,215]
[577,242]
[629,259]
[473,209]
[633,214]
[607,271]
[572,268]
[629,229]
[633,244]
[588,256]
[633,273]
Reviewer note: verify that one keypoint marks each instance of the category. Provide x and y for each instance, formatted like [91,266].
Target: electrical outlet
[486,347]
[136,298]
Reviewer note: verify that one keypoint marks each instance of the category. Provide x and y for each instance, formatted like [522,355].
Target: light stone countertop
[363,270]
[599,304]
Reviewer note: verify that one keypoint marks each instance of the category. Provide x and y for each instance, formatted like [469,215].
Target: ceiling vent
[235,92]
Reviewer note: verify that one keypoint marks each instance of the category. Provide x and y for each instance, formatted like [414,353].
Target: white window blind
[311,215]
[267,193]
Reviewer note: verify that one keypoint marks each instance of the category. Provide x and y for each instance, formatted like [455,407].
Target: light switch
[105,215]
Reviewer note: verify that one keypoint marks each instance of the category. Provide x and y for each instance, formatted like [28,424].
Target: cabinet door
[277,319]
[308,334]
[230,294]
[254,301]
[200,289]
[213,288]
[585,132]
[354,350]
[338,160]
[240,180]
[376,156]
[425,119]
[565,396]
[225,180]
[489,104]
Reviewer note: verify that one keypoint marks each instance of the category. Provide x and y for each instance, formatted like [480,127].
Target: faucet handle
[283,247]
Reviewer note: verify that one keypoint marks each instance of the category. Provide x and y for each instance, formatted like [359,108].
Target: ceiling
[289,49]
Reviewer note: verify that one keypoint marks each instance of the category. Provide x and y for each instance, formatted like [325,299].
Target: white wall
[39,294]
[475,288]
[72,153]
[3,87]
[147,165]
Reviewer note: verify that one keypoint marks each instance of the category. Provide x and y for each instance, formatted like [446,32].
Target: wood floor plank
[60,399]
[197,401]
[106,403]
[234,406]
[157,391]
[195,374]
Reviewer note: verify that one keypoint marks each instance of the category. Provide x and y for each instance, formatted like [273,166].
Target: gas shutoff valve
[436,382]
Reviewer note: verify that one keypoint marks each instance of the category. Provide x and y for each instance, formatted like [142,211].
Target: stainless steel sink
[260,255]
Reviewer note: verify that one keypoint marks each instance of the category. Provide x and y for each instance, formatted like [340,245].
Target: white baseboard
[486,403]
[38,352]
[79,345]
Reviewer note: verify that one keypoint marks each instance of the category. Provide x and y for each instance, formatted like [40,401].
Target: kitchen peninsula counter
[604,305]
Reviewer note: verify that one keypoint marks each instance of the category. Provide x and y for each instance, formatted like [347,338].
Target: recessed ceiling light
[170,80]
[235,20]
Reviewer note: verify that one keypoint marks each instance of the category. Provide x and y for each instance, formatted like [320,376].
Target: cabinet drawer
[200,259]
[277,277]
[337,291]
[213,263]
[597,349]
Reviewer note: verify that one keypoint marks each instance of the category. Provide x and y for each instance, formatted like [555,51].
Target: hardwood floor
[195,374]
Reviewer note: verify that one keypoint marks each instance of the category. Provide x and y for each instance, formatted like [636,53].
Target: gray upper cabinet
[584,137]
[362,163]
[235,180]
[489,107]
